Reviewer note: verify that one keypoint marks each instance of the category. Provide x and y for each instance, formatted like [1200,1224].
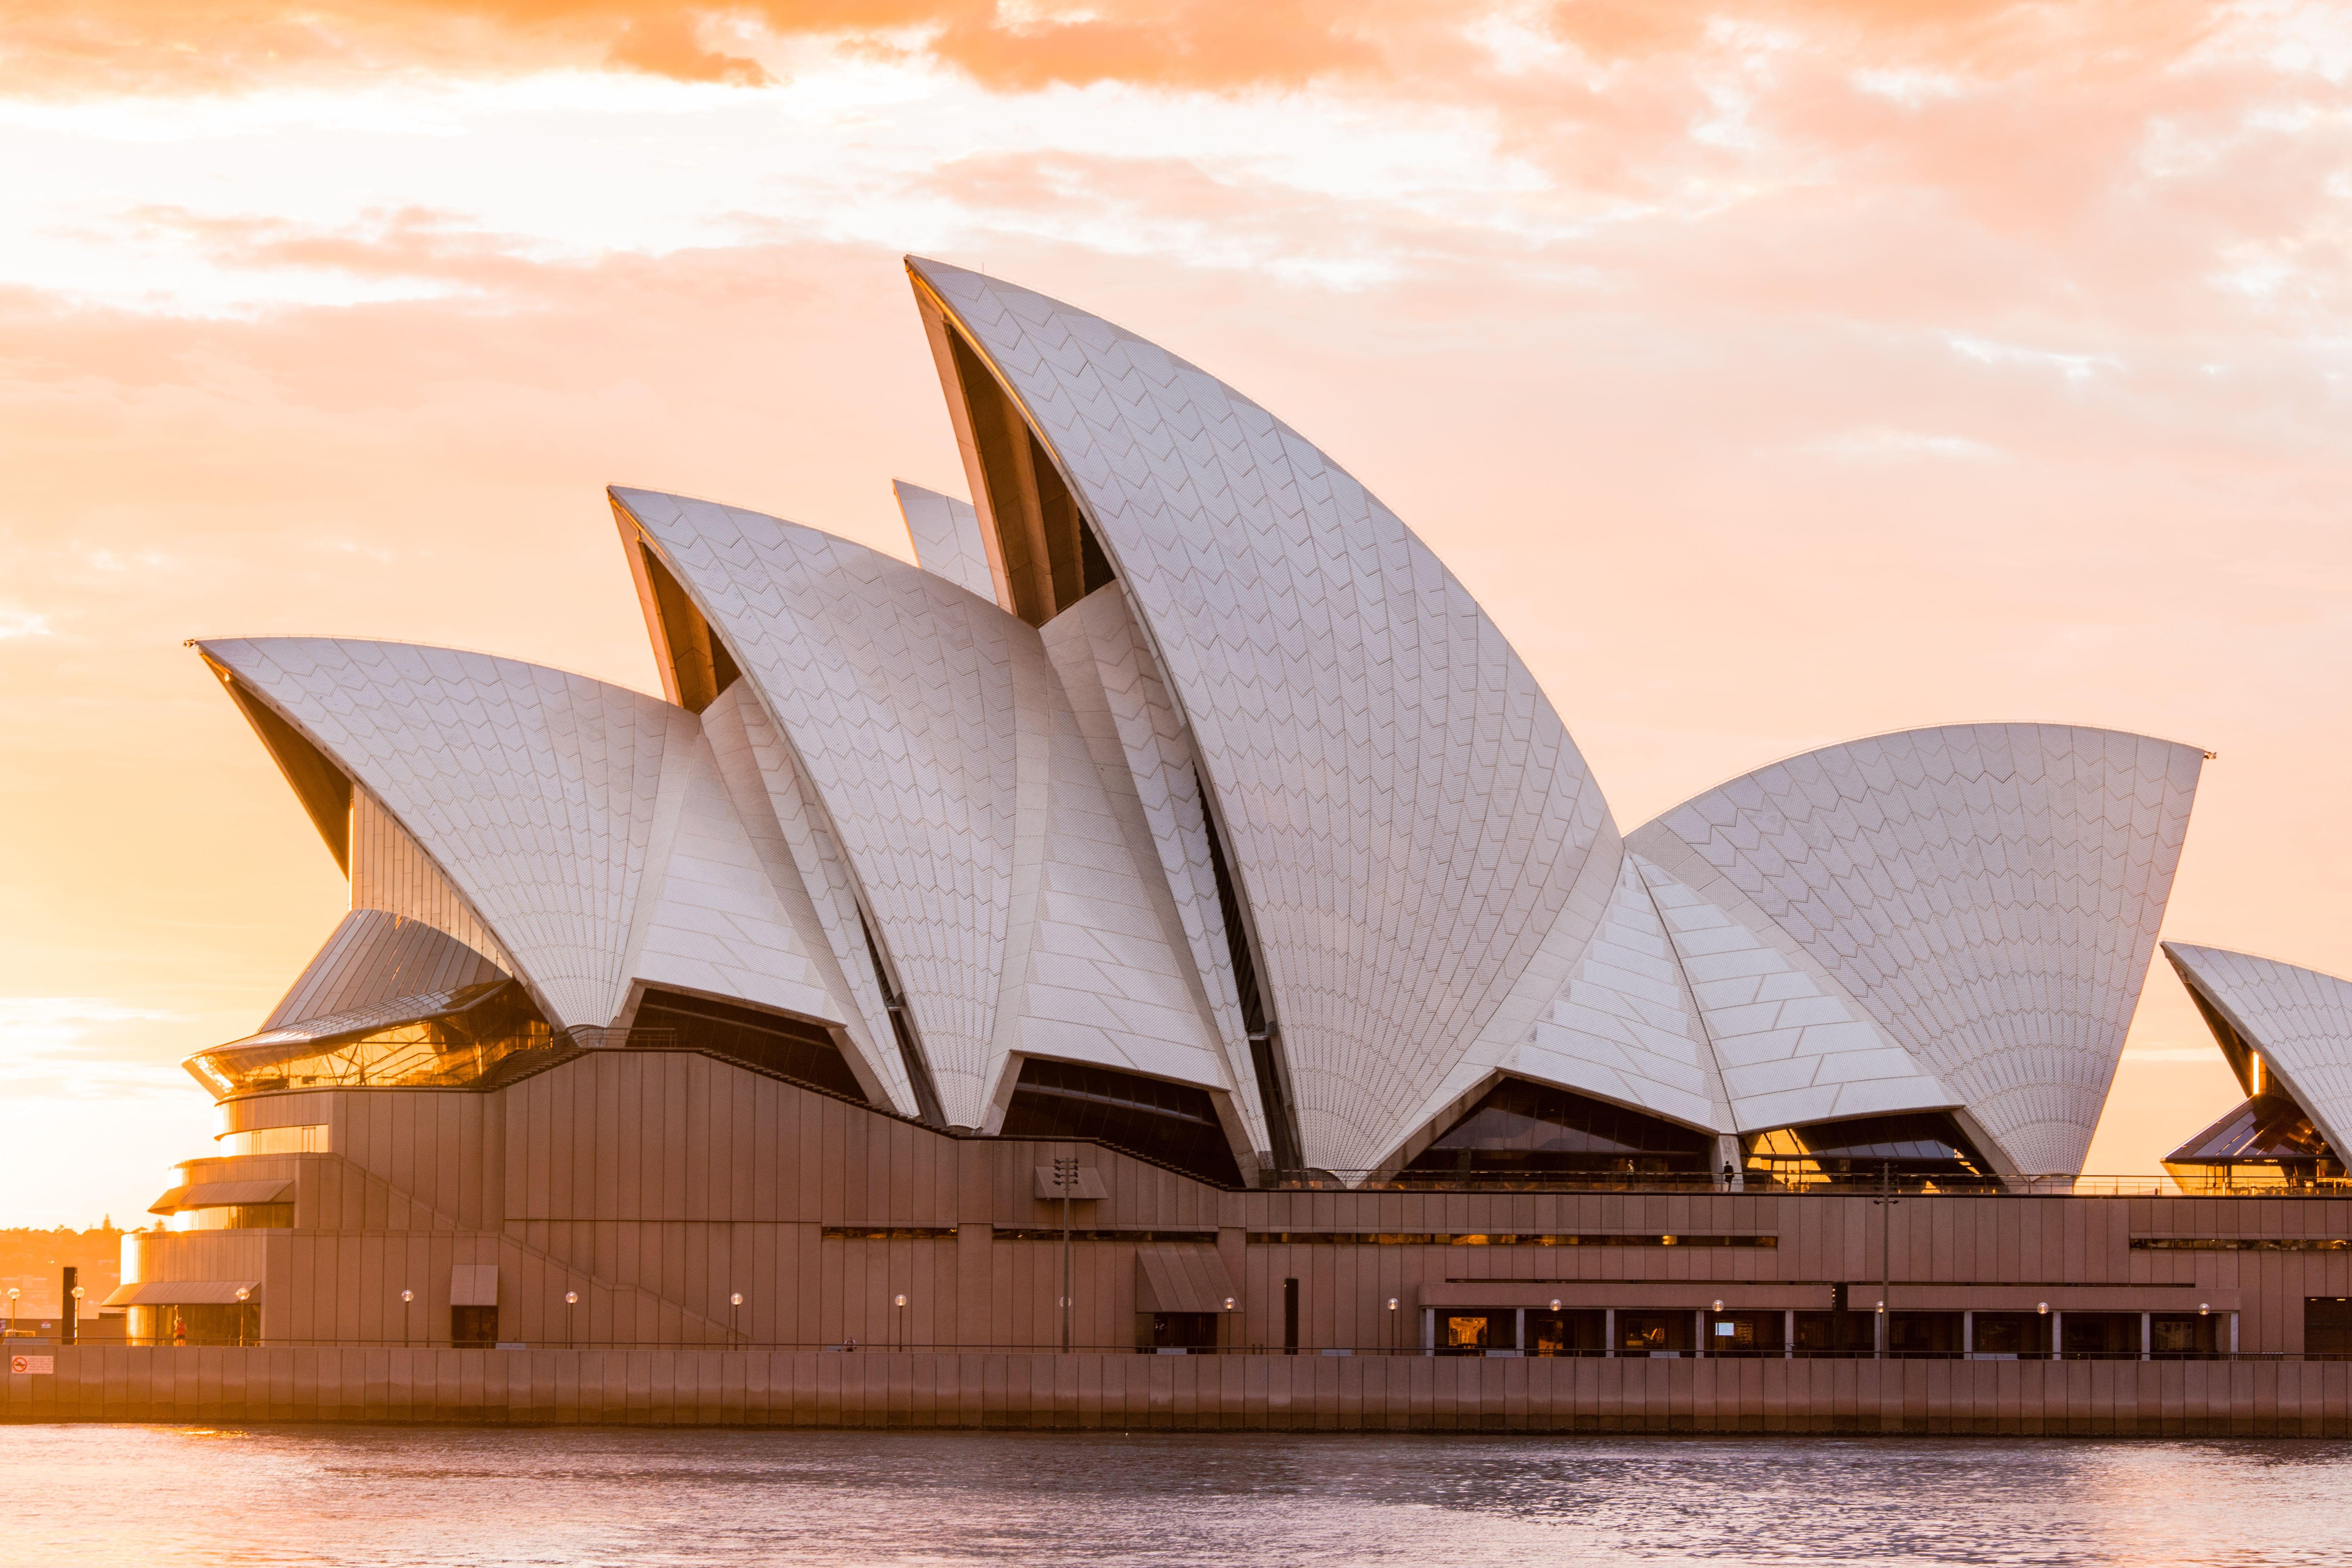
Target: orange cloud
[142,46]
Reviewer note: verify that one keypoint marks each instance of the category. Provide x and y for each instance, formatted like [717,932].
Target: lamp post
[406,1297]
[1066,1178]
[243,1294]
[1394,1321]
[571,1300]
[13,1294]
[73,1313]
[1886,1200]
[734,1305]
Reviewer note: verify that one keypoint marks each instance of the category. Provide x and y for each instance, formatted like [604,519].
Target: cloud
[119,46]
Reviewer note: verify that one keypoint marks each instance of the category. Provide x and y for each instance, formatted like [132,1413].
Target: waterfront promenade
[2270,1397]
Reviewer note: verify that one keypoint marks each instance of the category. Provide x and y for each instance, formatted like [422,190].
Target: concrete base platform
[980,1390]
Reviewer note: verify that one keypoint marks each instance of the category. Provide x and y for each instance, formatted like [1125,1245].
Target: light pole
[1886,1200]
[243,1294]
[406,1297]
[1394,1321]
[899,1319]
[571,1300]
[13,1294]
[734,1305]
[73,1319]
[1066,1177]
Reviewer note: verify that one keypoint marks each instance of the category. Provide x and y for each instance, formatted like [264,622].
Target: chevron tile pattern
[1989,894]
[1404,810]
[2298,1020]
[945,532]
[1956,918]
[533,790]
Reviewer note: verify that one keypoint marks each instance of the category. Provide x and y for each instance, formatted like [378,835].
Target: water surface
[158,1497]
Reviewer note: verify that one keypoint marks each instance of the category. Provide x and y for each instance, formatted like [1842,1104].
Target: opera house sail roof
[1181,796]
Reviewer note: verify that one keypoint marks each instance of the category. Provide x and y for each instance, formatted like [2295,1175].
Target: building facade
[1171,916]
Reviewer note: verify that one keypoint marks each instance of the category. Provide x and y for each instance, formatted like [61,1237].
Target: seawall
[1039,1391]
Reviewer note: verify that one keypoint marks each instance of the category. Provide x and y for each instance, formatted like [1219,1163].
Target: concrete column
[1608,1333]
[1429,1330]
[2144,1346]
[2233,1333]
[1698,1330]
[1789,1334]
[1968,1336]
[1519,1330]
[2057,1335]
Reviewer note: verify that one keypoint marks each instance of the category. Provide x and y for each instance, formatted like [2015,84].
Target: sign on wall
[38,1366]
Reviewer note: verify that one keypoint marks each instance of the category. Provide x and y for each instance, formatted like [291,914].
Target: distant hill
[30,1261]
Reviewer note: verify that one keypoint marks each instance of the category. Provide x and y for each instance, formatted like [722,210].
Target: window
[1921,1146]
[442,1040]
[2019,1334]
[2113,1334]
[2327,1326]
[1532,1131]
[1654,1333]
[236,1217]
[790,1048]
[1467,1332]
[2186,1334]
[1568,1332]
[1173,1123]
[306,1139]
[2268,1141]
[1744,1333]
[1926,1336]
[232,1324]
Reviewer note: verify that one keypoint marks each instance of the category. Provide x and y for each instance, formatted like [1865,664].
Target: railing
[1752,1184]
[878,1347]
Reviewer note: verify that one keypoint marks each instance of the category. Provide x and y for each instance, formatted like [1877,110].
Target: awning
[222,1194]
[474,1285]
[1182,1279]
[182,1293]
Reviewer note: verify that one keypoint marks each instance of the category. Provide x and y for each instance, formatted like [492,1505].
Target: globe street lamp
[734,1303]
[243,1294]
[898,1319]
[406,1297]
[571,1300]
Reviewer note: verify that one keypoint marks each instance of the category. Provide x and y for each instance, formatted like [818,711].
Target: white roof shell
[1010,875]
[1955,917]
[1405,811]
[2298,1020]
[585,828]
[1987,895]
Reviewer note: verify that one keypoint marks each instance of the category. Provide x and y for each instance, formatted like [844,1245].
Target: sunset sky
[1775,373]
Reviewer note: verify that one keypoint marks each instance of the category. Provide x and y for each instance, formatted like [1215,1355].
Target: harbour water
[158,1497]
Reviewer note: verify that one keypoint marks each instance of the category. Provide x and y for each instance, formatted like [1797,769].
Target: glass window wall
[235,1323]
[1921,1149]
[1532,1131]
[1573,1332]
[2022,1336]
[1744,1333]
[443,1040]
[1475,1331]
[1661,1332]
[1173,1123]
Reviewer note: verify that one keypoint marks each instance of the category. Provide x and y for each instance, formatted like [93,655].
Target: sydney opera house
[1179,854]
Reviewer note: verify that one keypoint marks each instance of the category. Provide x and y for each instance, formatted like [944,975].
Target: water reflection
[98,1495]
